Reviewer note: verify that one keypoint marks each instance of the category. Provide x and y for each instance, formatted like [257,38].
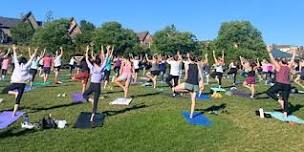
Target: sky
[280,21]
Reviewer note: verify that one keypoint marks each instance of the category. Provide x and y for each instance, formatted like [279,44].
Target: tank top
[219,68]
[251,73]
[282,76]
[127,69]
[155,67]
[192,74]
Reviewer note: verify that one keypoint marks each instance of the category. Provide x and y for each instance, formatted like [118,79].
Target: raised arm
[214,57]
[223,55]
[101,54]
[29,62]
[15,58]
[206,58]
[148,58]
[61,52]
[29,52]
[294,53]
[272,59]
[87,57]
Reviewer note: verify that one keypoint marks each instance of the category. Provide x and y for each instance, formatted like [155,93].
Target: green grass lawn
[153,122]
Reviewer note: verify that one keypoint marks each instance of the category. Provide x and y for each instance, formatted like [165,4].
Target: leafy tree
[170,40]
[112,33]
[240,38]
[83,39]
[86,26]
[22,33]
[53,35]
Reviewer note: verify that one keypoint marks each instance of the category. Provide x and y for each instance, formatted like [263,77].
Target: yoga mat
[218,89]
[291,118]
[41,84]
[84,122]
[198,119]
[241,94]
[121,101]
[6,118]
[77,98]
[202,97]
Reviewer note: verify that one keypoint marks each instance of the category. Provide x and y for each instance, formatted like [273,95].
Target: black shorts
[136,70]
[40,66]
[33,71]
[57,68]
[47,70]
[107,74]
[155,73]
[219,75]
[3,71]
[72,67]
[302,77]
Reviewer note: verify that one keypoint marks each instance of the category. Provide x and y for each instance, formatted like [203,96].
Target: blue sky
[280,21]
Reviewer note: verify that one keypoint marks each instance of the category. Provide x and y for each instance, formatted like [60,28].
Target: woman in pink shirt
[5,64]
[282,84]
[126,72]
[47,65]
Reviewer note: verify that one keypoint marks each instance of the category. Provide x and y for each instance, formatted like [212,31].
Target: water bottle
[261,113]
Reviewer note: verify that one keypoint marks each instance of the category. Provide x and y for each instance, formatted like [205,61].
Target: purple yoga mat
[6,118]
[77,97]
[241,94]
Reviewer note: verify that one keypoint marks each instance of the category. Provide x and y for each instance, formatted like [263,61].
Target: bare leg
[126,88]
[15,110]
[193,96]
[252,90]
[154,81]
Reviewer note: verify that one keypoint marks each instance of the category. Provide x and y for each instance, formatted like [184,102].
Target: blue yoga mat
[218,89]
[202,97]
[291,118]
[198,119]
[6,118]
[77,97]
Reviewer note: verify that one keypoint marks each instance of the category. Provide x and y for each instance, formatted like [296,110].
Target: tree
[169,41]
[22,33]
[112,33]
[49,16]
[53,35]
[240,38]
[87,31]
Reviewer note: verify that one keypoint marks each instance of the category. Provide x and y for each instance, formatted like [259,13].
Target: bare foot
[281,102]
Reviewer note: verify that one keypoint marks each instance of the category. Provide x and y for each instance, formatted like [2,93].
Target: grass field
[153,122]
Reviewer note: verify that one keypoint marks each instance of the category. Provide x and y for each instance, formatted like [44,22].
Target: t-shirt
[136,64]
[34,64]
[174,68]
[108,64]
[5,63]
[47,62]
[96,72]
[57,61]
[72,61]
[21,71]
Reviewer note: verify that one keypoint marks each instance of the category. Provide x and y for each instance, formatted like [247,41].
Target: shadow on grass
[112,92]
[291,108]
[116,112]
[213,108]
[13,132]
[35,110]
[145,95]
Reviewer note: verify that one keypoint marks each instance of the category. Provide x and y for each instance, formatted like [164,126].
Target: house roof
[280,54]
[142,35]
[8,22]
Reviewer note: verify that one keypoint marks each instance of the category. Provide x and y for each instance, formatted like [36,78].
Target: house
[284,48]
[74,29]
[7,23]
[145,39]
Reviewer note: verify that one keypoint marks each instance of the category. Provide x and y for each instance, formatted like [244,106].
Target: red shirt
[47,62]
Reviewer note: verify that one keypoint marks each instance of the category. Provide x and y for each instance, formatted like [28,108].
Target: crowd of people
[182,73]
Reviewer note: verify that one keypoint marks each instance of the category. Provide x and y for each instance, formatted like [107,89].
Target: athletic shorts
[250,80]
[124,77]
[136,70]
[47,70]
[107,74]
[191,87]
[57,68]
[155,73]
[83,76]
[3,71]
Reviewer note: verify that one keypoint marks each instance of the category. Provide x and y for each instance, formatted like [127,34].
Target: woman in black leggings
[19,77]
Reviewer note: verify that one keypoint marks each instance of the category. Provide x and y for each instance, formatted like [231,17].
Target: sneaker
[174,95]
[59,95]
[27,125]
[1,100]
[91,100]
[63,95]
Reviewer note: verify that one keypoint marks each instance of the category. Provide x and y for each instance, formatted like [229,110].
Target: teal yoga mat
[291,118]
[41,84]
